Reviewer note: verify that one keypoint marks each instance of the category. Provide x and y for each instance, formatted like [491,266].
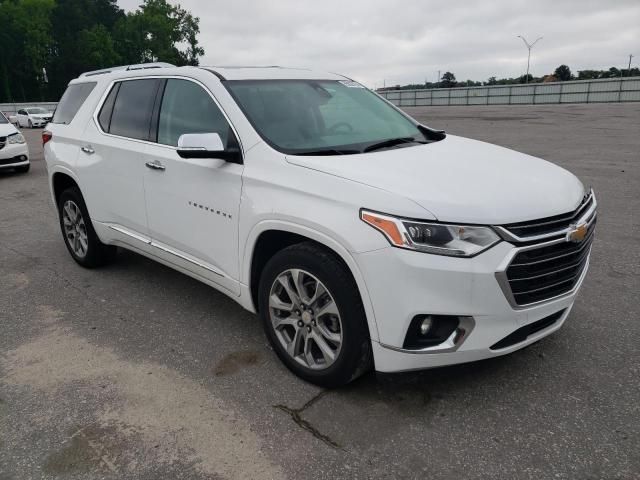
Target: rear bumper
[403,284]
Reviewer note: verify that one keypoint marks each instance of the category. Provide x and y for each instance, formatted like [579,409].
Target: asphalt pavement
[136,371]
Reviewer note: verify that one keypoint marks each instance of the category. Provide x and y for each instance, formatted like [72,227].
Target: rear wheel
[78,233]
[313,315]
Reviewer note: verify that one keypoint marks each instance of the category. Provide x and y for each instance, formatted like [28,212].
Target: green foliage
[68,37]
[563,73]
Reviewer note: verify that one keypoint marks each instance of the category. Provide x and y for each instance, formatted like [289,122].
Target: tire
[30,124]
[352,354]
[89,253]
[23,168]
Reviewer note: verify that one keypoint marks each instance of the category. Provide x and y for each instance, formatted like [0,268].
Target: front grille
[550,224]
[3,142]
[546,272]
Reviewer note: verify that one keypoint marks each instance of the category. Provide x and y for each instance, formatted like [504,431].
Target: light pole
[529,47]
[629,68]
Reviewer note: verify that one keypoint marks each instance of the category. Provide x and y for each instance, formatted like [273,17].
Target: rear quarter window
[71,101]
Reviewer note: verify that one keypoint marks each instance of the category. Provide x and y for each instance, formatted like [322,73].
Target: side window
[131,116]
[71,101]
[188,108]
[104,117]
[21,112]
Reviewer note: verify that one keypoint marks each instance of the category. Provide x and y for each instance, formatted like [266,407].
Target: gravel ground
[137,371]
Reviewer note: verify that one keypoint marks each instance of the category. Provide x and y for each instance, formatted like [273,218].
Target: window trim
[105,94]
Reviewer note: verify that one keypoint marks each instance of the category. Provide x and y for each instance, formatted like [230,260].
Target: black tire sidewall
[95,249]
[337,278]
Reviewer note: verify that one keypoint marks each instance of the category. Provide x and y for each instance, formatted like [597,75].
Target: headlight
[438,238]
[16,138]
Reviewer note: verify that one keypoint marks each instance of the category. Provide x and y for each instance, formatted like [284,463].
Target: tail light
[46,136]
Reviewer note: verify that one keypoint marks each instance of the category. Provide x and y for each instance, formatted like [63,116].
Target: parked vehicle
[361,237]
[12,118]
[14,152]
[33,117]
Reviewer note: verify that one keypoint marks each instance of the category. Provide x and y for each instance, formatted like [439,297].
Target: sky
[380,42]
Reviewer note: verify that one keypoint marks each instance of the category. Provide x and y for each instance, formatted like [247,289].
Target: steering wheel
[346,128]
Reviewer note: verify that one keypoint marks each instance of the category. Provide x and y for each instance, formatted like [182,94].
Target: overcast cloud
[409,41]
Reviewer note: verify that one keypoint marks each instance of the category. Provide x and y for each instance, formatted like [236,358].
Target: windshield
[3,119]
[36,110]
[323,117]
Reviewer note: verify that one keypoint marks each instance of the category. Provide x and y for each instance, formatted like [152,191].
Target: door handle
[88,149]
[155,165]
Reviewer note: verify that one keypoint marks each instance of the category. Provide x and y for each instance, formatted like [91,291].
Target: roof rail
[139,66]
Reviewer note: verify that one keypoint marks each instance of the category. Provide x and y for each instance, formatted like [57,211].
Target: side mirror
[206,145]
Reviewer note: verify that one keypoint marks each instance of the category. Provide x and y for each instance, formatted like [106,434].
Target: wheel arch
[61,179]
[269,237]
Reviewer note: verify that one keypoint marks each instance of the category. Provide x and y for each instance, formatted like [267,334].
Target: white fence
[575,91]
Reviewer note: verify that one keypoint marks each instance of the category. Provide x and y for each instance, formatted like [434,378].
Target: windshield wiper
[392,142]
[327,151]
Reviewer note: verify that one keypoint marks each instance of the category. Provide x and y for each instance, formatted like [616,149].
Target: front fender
[323,239]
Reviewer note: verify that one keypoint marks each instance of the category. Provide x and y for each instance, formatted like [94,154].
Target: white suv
[362,238]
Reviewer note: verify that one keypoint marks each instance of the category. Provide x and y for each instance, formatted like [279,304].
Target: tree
[96,49]
[154,31]
[563,73]
[448,80]
[68,37]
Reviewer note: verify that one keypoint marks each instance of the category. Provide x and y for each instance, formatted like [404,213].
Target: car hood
[40,115]
[7,129]
[461,180]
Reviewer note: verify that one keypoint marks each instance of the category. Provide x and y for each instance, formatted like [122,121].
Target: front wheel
[30,124]
[79,236]
[313,315]
[23,168]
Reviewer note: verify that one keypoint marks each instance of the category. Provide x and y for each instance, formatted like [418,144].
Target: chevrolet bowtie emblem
[577,233]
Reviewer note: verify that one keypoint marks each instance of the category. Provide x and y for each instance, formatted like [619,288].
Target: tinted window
[3,119]
[71,101]
[131,115]
[188,108]
[104,118]
[308,116]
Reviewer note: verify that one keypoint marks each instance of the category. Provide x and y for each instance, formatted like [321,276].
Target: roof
[271,73]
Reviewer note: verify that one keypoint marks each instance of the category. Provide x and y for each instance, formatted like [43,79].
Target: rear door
[111,162]
[193,204]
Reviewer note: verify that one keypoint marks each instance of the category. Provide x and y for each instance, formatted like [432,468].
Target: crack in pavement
[296,416]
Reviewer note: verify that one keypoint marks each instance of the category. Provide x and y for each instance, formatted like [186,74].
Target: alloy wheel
[305,318]
[75,230]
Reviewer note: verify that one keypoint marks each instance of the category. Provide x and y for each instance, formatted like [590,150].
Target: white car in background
[362,238]
[14,152]
[33,117]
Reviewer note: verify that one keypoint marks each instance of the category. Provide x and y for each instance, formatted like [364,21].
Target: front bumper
[39,122]
[403,284]
[14,155]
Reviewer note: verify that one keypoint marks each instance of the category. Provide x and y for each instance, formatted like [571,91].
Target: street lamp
[529,47]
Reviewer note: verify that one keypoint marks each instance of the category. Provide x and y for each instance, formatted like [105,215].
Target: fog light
[425,326]
[427,330]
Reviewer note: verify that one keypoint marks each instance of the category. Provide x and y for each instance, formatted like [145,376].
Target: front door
[193,204]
